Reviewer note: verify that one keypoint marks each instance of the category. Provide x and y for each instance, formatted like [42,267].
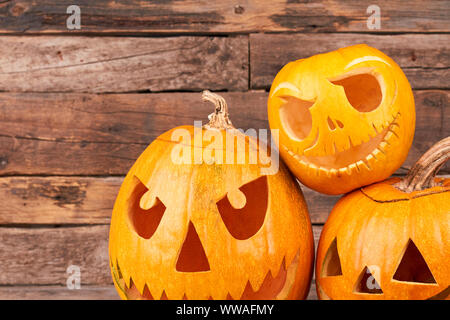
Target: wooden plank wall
[78,106]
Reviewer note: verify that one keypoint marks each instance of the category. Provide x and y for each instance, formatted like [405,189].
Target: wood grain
[425,59]
[57,200]
[41,256]
[54,292]
[106,64]
[45,254]
[87,200]
[77,107]
[187,16]
[89,134]
[84,293]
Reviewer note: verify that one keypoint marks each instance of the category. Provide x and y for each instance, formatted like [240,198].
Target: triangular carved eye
[367,283]
[332,263]
[412,267]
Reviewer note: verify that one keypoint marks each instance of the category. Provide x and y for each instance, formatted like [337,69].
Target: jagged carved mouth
[273,287]
[443,295]
[358,156]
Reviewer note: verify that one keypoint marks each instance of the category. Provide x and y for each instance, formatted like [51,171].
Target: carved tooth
[313,167]
[332,172]
[387,124]
[379,154]
[383,145]
[343,171]
[372,132]
[395,133]
[255,282]
[302,162]
[323,171]
[352,167]
[374,153]
[387,137]
[274,270]
[370,161]
[375,128]
[363,164]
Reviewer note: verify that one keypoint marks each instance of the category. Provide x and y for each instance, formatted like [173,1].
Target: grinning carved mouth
[273,287]
[364,153]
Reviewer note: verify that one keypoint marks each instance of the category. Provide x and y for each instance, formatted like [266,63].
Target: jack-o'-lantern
[390,240]
[345,118]
[210,229]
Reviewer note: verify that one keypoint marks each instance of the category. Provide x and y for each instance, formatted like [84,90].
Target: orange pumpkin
[345,118]
[209,230]
[390,240]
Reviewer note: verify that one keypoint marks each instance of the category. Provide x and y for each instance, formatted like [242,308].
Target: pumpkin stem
[219,119]
[421,175]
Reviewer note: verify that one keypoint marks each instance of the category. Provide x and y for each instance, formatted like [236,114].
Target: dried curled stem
[219,119]
[421,175]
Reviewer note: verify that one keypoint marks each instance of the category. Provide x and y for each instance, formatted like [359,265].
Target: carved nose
[192,257]
[331,124]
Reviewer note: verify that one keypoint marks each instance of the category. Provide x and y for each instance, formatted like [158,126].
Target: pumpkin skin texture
[209,231]
[388,241]
[345,118]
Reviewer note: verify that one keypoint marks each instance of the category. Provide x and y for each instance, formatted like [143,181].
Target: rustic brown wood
[187,16]
[41,256]
[52,292]
[431,126]
[84,293]
[425,59]
[106,64]
[76,109]
[57,200]
[84,134]
[88,200]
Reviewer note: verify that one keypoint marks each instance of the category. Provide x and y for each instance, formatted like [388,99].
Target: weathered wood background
[78,106]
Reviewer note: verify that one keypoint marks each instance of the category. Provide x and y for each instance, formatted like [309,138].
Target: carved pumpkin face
[387,242]
[209,231]
[345,118]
